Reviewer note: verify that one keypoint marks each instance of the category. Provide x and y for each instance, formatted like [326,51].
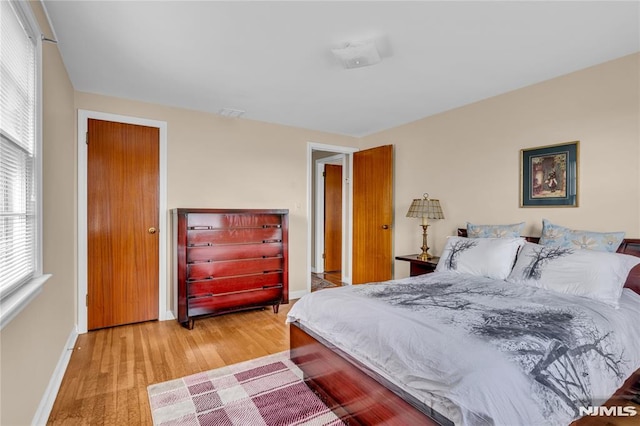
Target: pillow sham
[560,236]
[487,257]
[588,273]
[495,231]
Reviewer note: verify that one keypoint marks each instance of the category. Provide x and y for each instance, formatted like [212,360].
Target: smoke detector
[357,55]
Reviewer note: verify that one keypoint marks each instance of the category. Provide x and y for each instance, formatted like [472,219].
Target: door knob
[152,230]
[385,226]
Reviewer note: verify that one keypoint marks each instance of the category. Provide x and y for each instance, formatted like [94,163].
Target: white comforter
[481,351]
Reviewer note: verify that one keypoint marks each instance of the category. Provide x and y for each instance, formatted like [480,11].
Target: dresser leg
[275,308]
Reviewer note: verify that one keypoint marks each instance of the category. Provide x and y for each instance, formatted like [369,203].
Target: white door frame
[83,117]
[347,205]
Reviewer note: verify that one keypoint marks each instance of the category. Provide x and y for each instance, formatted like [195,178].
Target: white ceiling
[273,59]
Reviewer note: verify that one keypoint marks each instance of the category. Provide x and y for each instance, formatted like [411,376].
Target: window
[20,259]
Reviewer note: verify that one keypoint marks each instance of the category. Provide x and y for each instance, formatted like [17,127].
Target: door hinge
[86,138]
[324,174]
[324,256]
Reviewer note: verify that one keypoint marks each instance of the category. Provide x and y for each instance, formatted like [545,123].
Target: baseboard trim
[297,294]
[49,396]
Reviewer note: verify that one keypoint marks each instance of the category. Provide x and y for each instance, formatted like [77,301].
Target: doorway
[328,216]
[83,230]
[372,223]
[329,212]
[320,155]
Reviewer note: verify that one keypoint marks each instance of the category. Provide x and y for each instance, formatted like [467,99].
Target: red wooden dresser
[229,260]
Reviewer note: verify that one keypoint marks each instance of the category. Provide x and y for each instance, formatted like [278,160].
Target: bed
[509,365]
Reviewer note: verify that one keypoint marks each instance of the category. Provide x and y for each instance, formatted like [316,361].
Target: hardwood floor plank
[109,371]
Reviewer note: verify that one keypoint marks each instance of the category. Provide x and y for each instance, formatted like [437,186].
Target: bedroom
[467,157]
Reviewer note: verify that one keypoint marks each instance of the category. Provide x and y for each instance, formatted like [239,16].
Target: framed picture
[549,176]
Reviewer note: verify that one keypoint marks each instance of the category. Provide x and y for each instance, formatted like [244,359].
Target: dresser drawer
[215,269]
[228,252]
[242,283]
[227,302]
[232,220]
[233,236]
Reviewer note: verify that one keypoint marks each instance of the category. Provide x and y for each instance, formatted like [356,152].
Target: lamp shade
[426,208]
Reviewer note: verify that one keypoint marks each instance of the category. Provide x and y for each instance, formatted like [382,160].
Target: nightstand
[419,267]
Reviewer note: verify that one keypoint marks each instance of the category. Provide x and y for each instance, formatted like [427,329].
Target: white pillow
[588,273]
[487,257]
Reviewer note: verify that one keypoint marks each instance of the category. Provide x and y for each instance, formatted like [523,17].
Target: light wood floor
[109,371]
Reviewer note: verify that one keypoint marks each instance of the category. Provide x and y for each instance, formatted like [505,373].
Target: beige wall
[469,157]
[217,162]
[33,342]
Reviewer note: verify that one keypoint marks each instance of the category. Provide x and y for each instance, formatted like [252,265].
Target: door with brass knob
[122,202]
[372,214]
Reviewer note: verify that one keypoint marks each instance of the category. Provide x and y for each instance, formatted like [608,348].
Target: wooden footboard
[362,396]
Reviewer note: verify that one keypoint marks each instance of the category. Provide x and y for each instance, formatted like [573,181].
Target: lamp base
[425,255]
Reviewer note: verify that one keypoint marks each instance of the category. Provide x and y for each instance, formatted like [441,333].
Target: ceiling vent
[357,55]
[231,113]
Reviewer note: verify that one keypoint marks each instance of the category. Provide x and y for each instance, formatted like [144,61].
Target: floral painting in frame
[549,176]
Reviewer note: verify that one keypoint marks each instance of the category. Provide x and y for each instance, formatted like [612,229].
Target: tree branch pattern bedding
[483,351]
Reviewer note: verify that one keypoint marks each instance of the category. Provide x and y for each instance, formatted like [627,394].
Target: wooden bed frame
[360,396]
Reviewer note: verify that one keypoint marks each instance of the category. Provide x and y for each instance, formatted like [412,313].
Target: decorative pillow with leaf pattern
[494,231]
[560,236]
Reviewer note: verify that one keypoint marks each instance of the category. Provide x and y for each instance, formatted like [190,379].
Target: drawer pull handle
[199,296]
[271,241]
[209,278]
[200,228]
[201,245]
[266,287]
[195,262]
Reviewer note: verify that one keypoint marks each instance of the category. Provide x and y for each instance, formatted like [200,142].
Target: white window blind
[18,151]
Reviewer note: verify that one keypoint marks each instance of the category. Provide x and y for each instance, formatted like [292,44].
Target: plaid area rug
[263,391]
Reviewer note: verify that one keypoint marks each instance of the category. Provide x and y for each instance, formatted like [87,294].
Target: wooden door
[372,214]
[122,222]
[332,217]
